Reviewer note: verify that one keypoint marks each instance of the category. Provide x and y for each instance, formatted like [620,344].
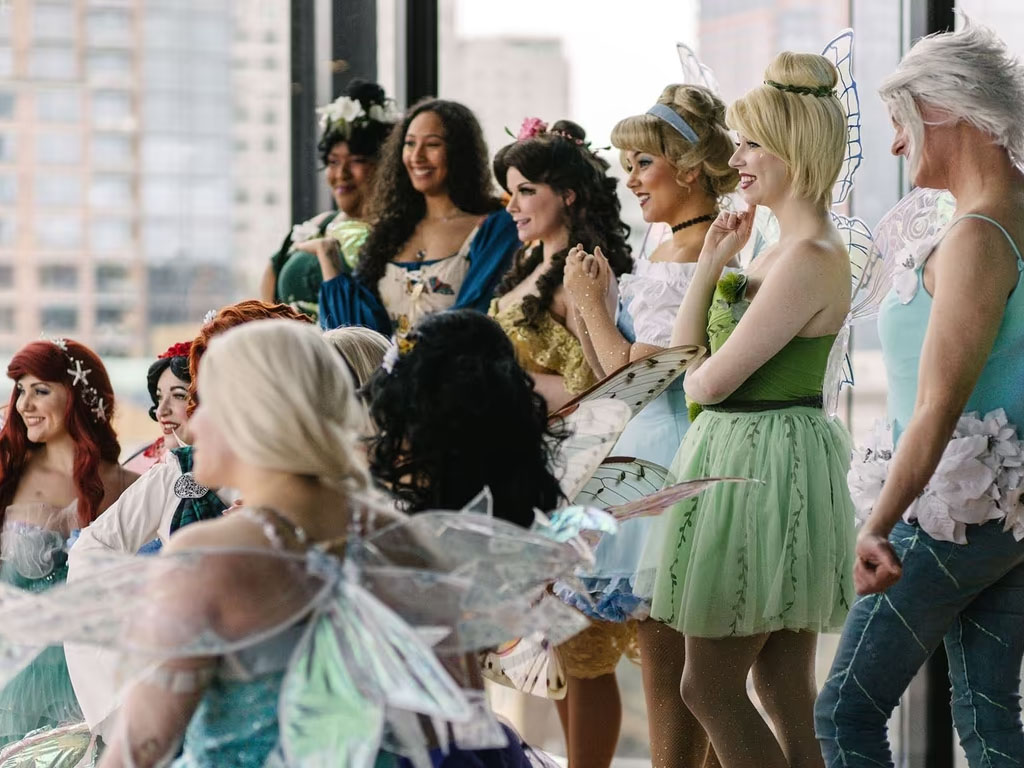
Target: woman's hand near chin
[727,236]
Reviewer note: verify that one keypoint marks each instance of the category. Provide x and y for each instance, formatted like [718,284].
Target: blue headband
[671,117]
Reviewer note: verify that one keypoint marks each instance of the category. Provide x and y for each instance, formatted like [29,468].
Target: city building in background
[503,79]
[143,164]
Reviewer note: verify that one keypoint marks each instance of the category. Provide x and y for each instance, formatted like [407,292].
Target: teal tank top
[902,328]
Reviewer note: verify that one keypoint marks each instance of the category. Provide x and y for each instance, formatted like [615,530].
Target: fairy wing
[639,382]
[592,426]
[839,50]
[621,479]
[695,71]
[356,657]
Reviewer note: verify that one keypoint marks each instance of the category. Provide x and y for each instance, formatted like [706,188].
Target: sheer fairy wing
[621,479]
[902,237]
[655,503]
[695,71]
[839,50]
[641,381]
[591,426]
[352,666]
[157,614]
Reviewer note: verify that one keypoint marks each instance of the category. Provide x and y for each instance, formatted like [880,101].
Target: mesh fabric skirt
[749,558]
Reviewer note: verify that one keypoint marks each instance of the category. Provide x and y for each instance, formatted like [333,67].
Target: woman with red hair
[58,472]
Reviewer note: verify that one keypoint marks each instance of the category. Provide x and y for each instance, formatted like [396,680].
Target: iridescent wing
[354,663]
[357,656]
[695,71]
[839,50]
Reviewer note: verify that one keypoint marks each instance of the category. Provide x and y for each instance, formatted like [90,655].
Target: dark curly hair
[561,159]
[365,137]
[457,413]
[396,207]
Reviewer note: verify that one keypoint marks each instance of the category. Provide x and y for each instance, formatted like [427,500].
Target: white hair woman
[277,421]
[751,573]
[952,345]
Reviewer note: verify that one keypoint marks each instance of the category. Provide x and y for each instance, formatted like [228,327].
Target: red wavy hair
[226,319]
[95,441]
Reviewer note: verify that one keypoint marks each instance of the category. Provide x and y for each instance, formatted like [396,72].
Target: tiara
[820,91]
[80,379]
[345,113]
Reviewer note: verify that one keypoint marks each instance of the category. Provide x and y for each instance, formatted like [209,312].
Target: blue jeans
[969,596]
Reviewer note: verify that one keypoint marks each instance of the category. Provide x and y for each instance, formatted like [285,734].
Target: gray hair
[968,74]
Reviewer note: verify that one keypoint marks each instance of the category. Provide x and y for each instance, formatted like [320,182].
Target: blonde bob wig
[807,132]
[284,400]
[704,112]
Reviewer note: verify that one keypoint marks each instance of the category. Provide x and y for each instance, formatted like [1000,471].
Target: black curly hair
[366,137]
[561,159]
[457,413]
[396,207]
[178,366]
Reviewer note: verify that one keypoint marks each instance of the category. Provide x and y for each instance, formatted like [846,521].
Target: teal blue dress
[35,559]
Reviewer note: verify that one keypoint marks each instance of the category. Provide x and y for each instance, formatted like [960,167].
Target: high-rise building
[503,79]
[143,163]
[739,38]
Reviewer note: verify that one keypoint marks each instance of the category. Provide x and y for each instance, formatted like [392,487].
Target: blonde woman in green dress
[750,573]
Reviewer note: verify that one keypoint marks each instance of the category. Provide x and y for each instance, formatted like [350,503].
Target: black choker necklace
[697,220]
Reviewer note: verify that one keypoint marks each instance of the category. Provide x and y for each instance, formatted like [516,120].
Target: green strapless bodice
[795,371]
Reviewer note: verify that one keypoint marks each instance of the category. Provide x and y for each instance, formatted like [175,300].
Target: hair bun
[569,128]
[802,70]
[366,93]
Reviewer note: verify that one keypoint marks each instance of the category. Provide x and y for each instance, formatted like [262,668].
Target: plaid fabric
[206,507]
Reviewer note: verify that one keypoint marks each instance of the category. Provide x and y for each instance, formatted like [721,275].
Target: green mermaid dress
[750,558]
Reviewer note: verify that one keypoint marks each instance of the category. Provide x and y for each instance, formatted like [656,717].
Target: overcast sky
[621,52]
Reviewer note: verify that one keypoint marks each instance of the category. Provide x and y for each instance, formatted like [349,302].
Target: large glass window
[58,189]
[52,20]
[57,148]
[59,105]
[109,26]
[58,276]
[49,62]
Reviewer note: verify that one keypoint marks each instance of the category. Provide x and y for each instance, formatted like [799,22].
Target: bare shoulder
[812,258]
[976,248]
[231,530]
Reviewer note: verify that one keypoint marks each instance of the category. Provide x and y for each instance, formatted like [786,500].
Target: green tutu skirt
[749,558]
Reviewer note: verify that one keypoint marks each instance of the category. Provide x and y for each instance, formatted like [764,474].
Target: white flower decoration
[342,110]
[980,477]
[390,357]
[307,230]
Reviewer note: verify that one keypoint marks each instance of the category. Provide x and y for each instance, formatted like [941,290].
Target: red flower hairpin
[181,349]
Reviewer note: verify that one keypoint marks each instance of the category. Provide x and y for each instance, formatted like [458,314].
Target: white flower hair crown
[345,113]
[80,381]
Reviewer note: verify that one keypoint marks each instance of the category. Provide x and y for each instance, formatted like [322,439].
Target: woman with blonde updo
[750,573]
[677,156]
[287,443]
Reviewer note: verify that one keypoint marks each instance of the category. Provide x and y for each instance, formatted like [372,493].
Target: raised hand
[726,237]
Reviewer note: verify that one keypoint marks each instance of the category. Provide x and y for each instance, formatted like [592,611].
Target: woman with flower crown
[440,238]
[940,557]
[58,472]
[354,127]
[750,574]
